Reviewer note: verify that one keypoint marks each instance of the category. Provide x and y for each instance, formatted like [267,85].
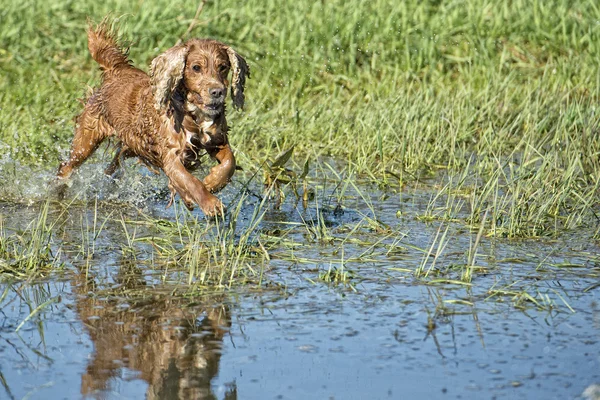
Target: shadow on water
[352,296]
[172,345]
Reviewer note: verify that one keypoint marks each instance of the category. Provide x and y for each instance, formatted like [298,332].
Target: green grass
[29,253]
[489,108]
[122,252]
[503,95]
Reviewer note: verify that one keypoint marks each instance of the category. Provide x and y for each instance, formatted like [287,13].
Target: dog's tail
[104,47]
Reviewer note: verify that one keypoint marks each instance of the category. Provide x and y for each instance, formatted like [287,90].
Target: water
[116,327]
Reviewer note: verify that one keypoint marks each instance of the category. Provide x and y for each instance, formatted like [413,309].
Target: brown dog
[166,119]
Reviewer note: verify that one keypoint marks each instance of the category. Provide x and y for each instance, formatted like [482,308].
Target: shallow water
[113,327]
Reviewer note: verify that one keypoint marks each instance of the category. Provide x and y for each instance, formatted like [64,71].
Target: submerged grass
[124,253]
[29,253]
[216,255]
[490,108]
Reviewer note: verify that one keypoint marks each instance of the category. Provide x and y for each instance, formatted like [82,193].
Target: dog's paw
[215,183]
[212,207]
[58,188]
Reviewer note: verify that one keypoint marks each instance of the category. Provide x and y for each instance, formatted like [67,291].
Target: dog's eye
[223,69]
[196,68]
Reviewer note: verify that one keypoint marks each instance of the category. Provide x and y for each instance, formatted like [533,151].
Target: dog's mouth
[210,107]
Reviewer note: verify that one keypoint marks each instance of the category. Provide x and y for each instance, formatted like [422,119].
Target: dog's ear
[166,72]
[239,72]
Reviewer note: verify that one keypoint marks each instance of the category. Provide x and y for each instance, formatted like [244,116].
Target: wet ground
[338,312]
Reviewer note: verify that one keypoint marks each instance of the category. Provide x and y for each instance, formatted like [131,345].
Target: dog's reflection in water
[174,347]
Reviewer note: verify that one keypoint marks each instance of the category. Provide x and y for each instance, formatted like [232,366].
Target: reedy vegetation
[502,95]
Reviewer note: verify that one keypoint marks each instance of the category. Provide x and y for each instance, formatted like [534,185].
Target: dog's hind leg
[121,154]
[91,129]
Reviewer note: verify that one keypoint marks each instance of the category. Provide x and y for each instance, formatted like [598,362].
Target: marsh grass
[337,275]
[216,253]
[489,108]
[29,253]
[188,255]
[397,91]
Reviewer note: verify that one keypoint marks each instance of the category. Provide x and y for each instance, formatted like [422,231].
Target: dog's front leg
[221,173]
[192,190]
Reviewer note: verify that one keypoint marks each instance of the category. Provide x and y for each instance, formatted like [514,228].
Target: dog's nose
[216,92]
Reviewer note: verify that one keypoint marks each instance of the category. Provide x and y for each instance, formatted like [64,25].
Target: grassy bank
[502,95]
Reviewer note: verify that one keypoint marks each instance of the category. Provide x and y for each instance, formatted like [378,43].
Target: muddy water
[110,327]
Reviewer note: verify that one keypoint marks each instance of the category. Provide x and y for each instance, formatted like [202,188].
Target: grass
[132,254]
[29,253]
[488,108]
[443,154]
[214,256]
[397,91]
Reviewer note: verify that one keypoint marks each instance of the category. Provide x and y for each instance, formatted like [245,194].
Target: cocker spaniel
[167,118]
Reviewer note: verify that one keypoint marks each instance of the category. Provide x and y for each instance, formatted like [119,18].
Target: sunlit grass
[396,91]
[31,252]
[489,108]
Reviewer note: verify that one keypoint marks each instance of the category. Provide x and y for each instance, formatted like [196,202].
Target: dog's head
[197,72]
